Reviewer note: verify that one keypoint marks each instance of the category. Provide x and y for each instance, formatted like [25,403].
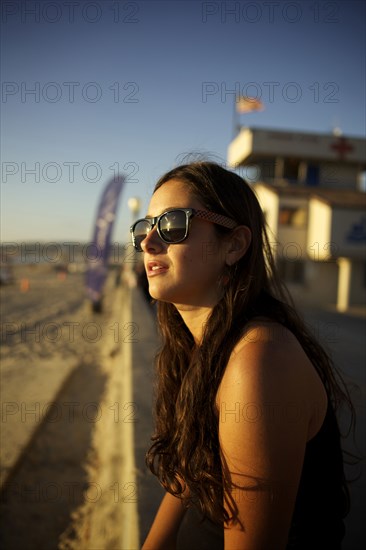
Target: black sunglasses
[173,225]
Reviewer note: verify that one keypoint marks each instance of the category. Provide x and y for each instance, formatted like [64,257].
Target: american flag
[245,104]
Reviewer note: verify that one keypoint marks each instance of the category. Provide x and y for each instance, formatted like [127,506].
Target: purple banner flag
[100,245]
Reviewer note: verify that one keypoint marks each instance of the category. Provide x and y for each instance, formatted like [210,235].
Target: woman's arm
[266,403]
[164,530]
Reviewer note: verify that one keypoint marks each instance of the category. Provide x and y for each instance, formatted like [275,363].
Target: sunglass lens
[140,232]
[173,226]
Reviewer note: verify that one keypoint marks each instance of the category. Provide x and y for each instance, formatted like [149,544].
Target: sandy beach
[64,414]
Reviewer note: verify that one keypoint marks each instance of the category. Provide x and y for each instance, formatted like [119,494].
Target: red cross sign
[342,147]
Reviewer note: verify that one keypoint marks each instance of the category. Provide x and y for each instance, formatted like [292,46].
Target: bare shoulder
[263,333]
[269,364]
[267,345]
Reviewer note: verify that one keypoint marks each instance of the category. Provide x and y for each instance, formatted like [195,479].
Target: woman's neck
[195,319]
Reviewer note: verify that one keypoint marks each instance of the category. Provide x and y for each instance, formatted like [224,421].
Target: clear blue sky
[136,85]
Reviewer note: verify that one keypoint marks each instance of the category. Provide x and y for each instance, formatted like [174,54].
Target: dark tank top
[321,503]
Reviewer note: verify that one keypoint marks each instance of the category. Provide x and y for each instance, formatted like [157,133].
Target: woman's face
[186,273]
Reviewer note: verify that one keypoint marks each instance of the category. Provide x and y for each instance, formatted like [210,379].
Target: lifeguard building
[309,186]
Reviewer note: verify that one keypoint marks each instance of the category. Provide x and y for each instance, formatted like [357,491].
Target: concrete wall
[319,230]
[348,232]
[320,287]
[358,288]
[292,238]
[339,175]
[269,202]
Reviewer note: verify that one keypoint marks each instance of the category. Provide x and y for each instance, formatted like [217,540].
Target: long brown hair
[185,452]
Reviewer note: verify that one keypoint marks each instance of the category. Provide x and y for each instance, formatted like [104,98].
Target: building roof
[336,198]
[252,145]
[342,198]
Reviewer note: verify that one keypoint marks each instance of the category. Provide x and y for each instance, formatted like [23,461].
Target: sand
[63,415]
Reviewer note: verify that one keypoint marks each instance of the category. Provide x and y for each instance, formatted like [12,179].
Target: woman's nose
[152,242]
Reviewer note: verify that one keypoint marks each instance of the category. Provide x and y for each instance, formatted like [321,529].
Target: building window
[312,175]
[292,216]
[291,272]
[291,170]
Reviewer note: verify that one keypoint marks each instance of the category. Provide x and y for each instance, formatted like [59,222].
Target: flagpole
[235,118]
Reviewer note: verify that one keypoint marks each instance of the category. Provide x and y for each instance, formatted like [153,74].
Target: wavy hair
[185,451]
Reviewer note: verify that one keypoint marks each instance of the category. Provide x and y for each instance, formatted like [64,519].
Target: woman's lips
[155,268]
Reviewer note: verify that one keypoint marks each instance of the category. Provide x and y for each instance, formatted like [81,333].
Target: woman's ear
[238,244]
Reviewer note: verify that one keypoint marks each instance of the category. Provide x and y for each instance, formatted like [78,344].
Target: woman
[246,444]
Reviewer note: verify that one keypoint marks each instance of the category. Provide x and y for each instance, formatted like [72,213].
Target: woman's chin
[164,294]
